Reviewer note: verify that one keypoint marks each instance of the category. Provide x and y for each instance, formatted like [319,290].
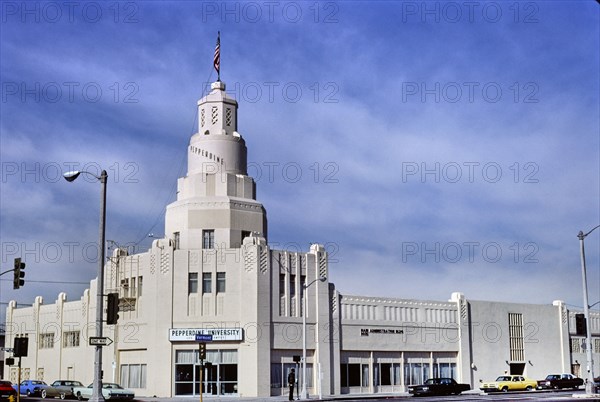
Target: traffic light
[202,350]
[112,308]
[580,325]
[20,346]
[19,274]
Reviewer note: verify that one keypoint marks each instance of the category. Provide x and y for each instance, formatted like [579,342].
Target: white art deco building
[214,273]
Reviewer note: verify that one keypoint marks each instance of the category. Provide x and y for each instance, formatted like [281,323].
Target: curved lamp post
[589,385]
[97,385]
[304,312]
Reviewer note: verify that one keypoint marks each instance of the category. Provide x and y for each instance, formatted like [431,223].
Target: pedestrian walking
[291,382]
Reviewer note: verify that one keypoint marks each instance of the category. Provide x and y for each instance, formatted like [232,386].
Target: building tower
[216,203]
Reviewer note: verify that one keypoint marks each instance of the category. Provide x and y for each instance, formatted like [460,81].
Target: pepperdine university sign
[218,334]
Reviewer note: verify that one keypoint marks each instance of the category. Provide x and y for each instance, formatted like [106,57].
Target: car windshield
[431,381]
[38,382]
[111,385]
[503,378]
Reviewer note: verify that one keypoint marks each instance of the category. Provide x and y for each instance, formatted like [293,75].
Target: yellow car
[507,383]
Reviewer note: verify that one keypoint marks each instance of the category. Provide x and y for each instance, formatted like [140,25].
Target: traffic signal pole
[19,382]
[201,355]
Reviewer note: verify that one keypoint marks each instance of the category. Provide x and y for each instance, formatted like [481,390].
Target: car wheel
[528,388]
[504,389]
[28,393]
[43,394]
[62,395]
[79,396]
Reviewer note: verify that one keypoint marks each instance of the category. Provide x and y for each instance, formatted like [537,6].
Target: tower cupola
[217,147]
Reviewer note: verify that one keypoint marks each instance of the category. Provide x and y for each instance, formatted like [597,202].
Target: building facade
[214,274]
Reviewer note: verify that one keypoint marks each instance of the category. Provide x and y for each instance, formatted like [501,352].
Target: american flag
[217,56]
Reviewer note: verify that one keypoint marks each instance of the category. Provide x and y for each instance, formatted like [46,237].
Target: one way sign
[100,341]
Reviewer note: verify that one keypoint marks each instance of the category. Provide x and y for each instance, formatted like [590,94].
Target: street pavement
[469,395]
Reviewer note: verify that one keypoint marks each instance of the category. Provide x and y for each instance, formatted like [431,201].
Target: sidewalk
[281,398]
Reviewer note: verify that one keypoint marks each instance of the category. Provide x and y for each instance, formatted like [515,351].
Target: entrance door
[517,368]
[576,369]
[219,377]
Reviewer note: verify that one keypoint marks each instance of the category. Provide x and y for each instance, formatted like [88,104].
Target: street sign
[204,338]
[100,341]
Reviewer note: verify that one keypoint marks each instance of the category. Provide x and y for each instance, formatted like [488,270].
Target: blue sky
[433,147]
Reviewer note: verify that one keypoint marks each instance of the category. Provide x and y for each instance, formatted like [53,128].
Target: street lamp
[589,385]
[304,312]
[97,385]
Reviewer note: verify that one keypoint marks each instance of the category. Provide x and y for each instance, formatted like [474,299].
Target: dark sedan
[438,386]
[559,381]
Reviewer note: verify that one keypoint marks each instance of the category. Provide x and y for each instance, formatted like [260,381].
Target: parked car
[31,387]
[6,389]
[438,386]
[559,381]
[51,392]
[507,383]
[66,386]
[109,391]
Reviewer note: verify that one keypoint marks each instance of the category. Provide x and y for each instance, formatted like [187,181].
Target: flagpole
[219,45]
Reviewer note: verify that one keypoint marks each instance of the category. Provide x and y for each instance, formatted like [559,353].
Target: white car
[109,391]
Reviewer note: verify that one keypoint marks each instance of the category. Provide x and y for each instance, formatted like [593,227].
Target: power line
[34,281]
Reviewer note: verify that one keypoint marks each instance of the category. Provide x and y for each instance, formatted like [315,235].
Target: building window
[133,375]
[515,333]
[228,115]
[302,293]
[220,282]
[71,339]
[176,240]
[416,373]
[202,118]
[292,285]
[597,345]
[245,233]
[576,345]
[206,282]
[193,282]
[133,288]
[215,115]
[444,370]
[354,375]
[47,340]
[139,286]
[208,239]
[282,284]
[125,286]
